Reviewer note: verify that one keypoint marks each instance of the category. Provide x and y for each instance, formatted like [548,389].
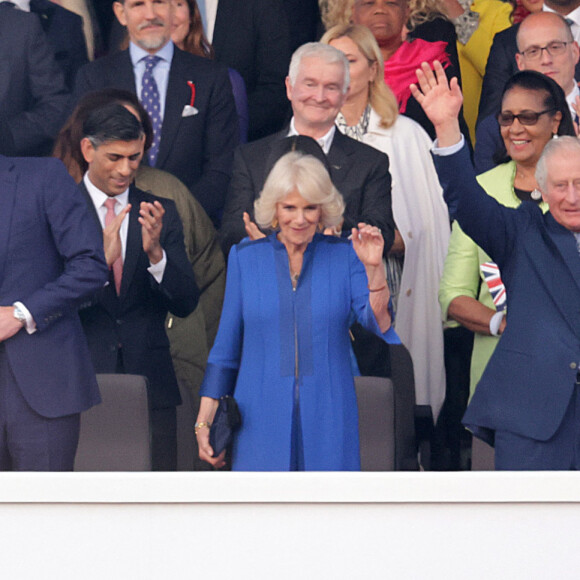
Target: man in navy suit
[51,259]
[527,402]
[150,272]
[197,124]
[33,95]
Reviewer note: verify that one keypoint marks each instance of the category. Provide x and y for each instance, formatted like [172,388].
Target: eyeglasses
[525,117]
[556,48]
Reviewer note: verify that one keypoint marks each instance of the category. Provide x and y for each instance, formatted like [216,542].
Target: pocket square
[189,111]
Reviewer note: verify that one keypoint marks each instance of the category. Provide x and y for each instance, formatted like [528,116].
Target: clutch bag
[226,422]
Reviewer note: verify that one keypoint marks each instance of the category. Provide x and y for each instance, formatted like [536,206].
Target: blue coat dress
[275,342]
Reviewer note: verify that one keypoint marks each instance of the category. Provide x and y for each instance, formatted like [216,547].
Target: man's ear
[119,10]
[88,150]
[288,89]
[520,61]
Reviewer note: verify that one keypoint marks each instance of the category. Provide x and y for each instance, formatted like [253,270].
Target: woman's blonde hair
[306,175]
[335,12]
[381,98]
[421,11]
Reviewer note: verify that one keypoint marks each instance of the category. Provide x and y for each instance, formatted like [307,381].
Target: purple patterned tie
[150,101]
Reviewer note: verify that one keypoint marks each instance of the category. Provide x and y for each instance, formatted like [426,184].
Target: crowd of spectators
[196,103]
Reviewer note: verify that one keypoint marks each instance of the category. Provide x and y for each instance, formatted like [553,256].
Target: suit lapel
[338,159]
[178,95]
[566,244]
[134,242]
[8,182]
[559,241]
[122,75]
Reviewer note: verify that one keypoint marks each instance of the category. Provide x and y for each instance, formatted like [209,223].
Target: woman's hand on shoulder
[252,229]
[368,243]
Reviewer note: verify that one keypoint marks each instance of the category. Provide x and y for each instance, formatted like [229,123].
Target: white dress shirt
[574,16]
[325,141]
[20,4]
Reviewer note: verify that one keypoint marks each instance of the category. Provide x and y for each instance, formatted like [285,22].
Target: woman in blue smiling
[283,345]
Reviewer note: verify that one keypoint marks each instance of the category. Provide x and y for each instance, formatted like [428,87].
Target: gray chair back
[115,435]
[376,416]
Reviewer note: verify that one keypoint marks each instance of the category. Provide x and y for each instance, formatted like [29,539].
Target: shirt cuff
[495,323]
[444,151]
[30,323]
[157,270]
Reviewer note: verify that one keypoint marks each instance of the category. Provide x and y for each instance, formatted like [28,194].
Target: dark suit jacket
[64,30]
[501,65]
[198,149]
[51,258]
[135,319]
[530,378]
[33,95]
[359,172]
[253,38]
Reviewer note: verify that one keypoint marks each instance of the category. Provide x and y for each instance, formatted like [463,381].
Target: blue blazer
[51,259]
[530,378]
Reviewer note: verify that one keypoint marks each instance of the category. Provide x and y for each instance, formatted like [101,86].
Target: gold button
[408,292]
[573,365]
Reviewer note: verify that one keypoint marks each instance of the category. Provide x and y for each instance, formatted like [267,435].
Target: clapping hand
[112,237]
[441,100]
[151,220]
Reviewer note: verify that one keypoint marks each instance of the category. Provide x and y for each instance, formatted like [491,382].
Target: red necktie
[118,263]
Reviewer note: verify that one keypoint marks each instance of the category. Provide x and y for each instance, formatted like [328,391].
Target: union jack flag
[497,290]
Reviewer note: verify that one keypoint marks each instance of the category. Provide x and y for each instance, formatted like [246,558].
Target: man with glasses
[501,63]
[546,45]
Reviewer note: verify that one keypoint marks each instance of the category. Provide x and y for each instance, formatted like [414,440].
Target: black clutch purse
[226,422]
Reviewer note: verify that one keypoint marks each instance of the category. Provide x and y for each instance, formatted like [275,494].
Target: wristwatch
[19,315]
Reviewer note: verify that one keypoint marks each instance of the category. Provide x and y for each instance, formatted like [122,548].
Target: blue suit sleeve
[491,225]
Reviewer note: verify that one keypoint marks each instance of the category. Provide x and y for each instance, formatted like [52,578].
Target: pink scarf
[400,68]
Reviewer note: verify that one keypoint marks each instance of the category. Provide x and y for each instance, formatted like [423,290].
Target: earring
[320,226]
[554,135]
[274,223]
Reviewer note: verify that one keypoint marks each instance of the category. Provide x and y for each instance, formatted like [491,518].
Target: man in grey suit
[316,87]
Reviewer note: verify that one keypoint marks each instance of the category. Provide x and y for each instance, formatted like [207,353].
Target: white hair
[560,146]
[328,54]
[305,174]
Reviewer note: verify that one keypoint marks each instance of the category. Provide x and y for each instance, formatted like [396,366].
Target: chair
[115,435]
[376,428]
[387,416]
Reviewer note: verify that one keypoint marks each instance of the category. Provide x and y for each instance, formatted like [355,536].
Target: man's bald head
[546,45]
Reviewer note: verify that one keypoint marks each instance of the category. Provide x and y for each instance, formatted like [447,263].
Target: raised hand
[112,238]
[151,220]
[441,100]
[368,243]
